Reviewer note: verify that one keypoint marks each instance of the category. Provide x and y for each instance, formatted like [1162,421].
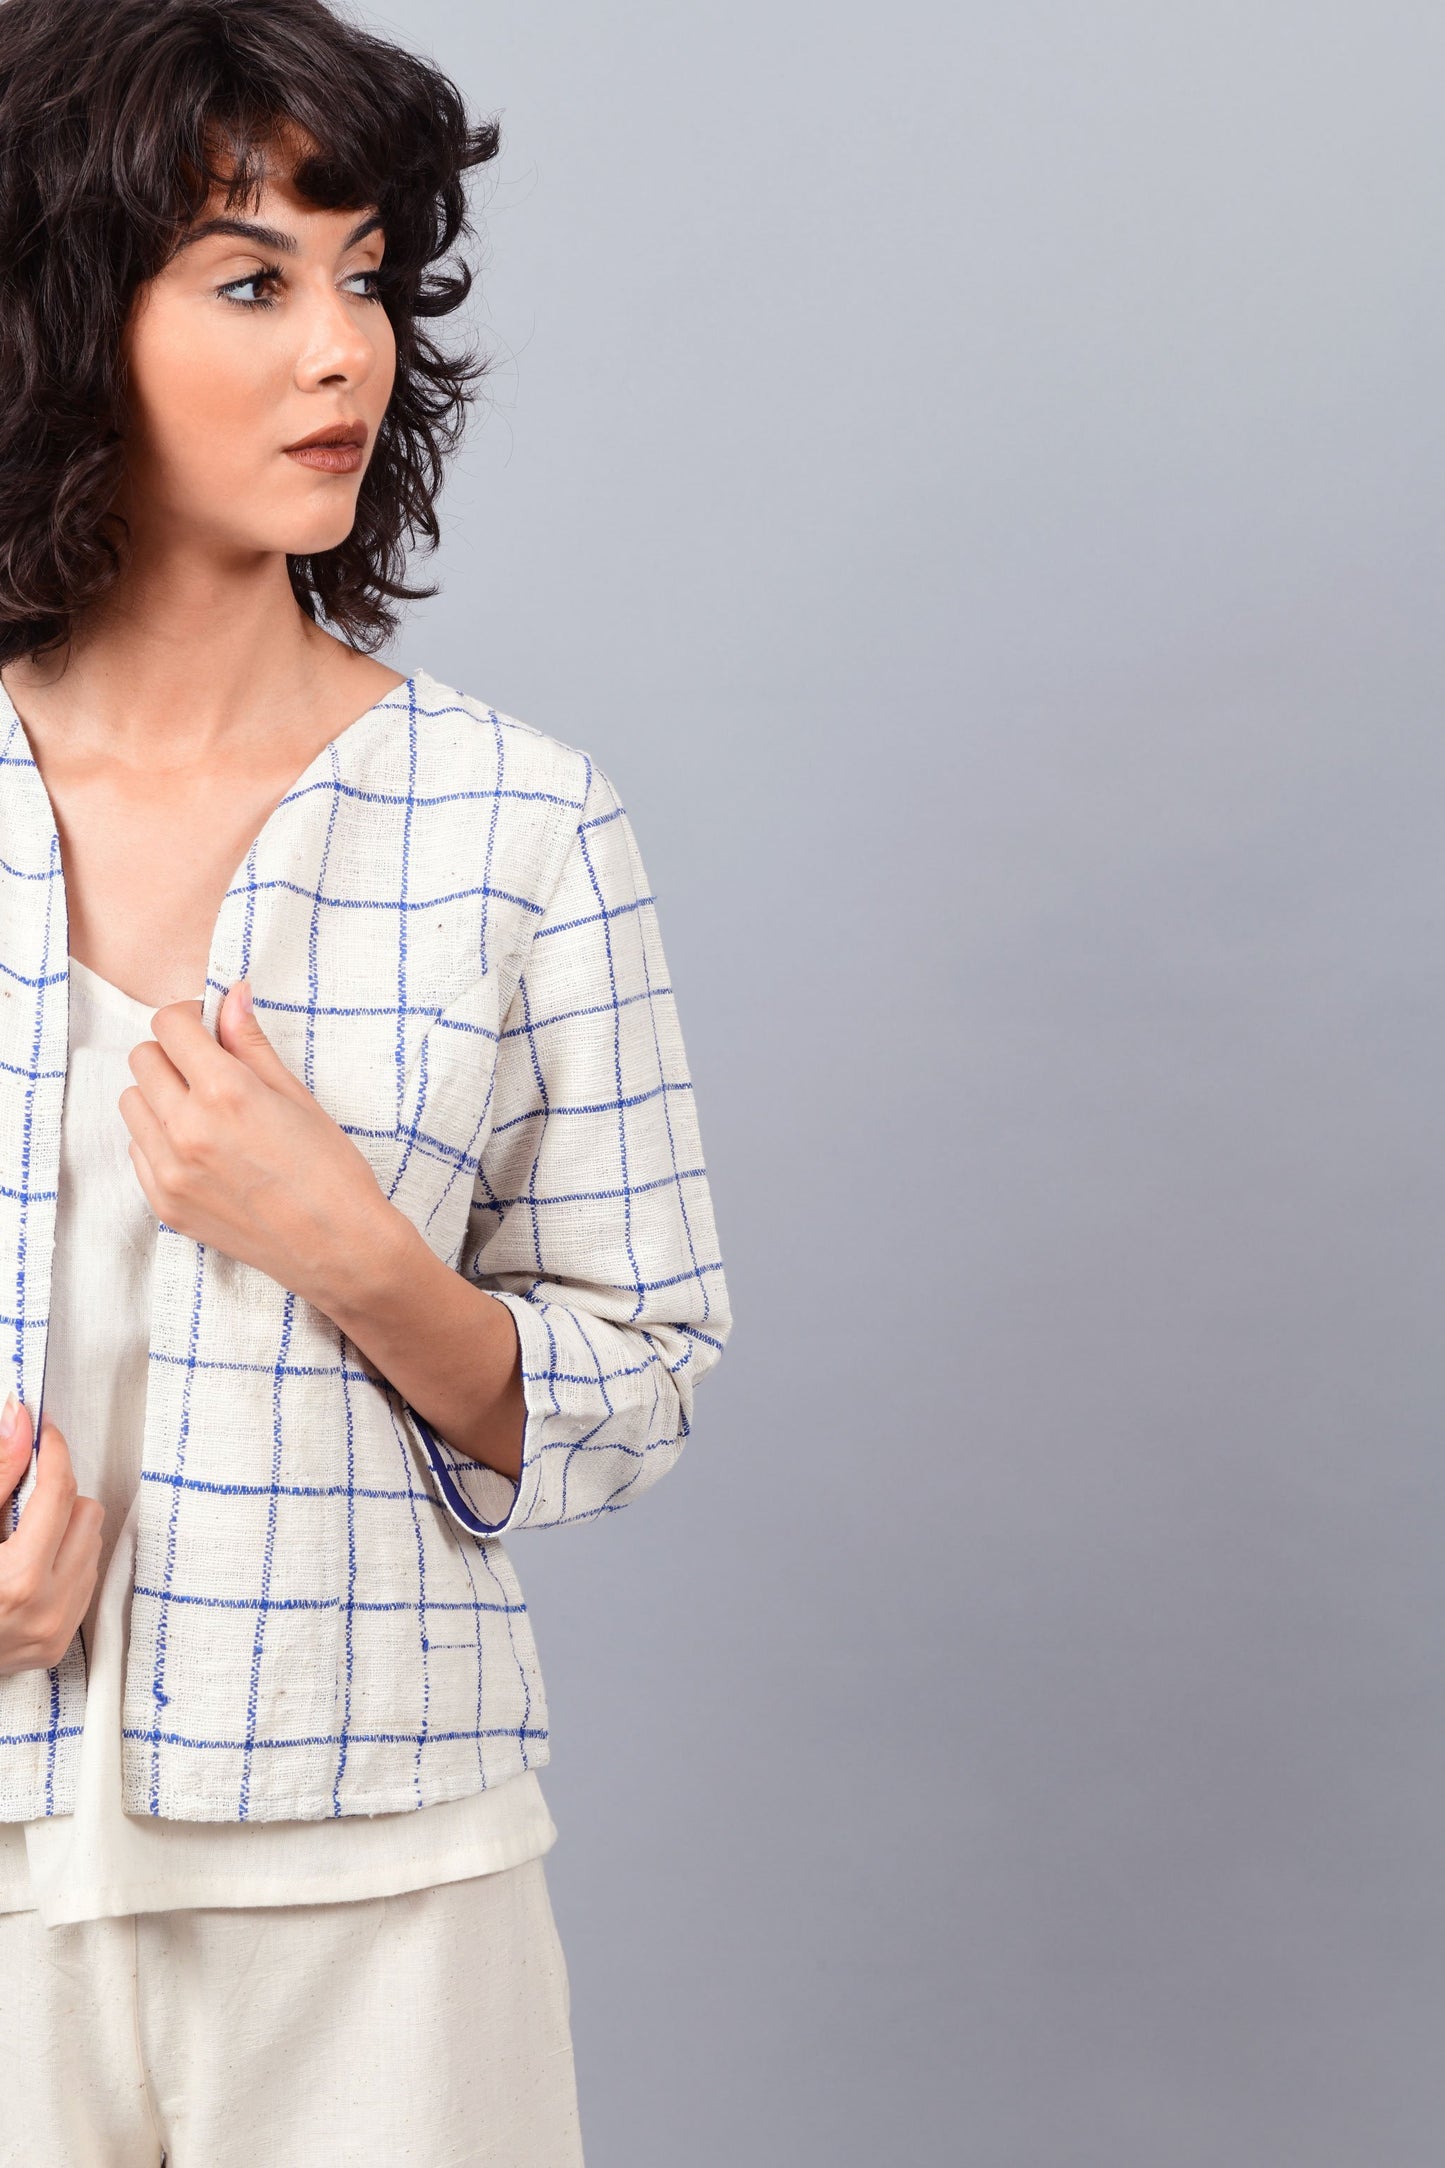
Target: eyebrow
[271,237]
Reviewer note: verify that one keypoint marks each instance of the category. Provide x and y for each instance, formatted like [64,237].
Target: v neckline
[403,696]
[143,1009]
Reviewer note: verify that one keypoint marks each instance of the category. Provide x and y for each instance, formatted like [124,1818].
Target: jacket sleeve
[590,1216]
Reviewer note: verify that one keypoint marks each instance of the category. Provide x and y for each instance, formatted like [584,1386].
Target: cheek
[383,368]
[199,391]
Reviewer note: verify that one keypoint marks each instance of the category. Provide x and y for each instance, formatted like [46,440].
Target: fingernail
[8,1415]
[245,988]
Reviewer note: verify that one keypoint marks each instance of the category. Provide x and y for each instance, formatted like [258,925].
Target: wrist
[381,1254]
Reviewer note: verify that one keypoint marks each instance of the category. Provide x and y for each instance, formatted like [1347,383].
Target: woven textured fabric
[451,940]
[427,2030]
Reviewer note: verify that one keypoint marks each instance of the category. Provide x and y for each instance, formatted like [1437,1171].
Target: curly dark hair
[115,116]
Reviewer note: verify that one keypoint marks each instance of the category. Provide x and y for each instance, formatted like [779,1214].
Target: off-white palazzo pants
[374,2034]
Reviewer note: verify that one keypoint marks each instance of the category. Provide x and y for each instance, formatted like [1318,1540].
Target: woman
[352,1206]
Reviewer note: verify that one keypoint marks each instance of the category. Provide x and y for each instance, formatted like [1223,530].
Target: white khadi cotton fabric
[100,1862]
[428,2030]
[451,940]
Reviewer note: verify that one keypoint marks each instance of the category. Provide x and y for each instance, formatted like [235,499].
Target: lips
[332,433]
[334,449]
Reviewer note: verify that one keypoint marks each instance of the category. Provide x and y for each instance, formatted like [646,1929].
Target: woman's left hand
[234,1151]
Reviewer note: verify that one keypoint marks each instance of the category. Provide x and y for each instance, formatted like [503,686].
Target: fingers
[239,1030]
[48,1567]
[14,1448]
[192,1054]
[78,1558]
[41,1606]
[147,1132]
[48,1509]
[145,1175]
[161,1086]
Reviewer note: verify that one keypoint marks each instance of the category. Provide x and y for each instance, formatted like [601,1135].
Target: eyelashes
[272,275]
[252,278]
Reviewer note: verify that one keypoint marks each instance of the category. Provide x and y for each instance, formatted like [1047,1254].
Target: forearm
[446,1346]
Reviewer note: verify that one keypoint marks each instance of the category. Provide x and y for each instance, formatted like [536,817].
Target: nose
[336,344]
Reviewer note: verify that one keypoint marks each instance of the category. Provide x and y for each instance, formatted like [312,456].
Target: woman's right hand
[48,1566]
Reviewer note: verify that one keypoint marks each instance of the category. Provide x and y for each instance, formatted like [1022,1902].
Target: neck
[182,654]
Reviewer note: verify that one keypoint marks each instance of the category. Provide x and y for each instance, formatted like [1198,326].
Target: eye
[269,275]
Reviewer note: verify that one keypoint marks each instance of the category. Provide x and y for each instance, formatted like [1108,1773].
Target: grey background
[973,476]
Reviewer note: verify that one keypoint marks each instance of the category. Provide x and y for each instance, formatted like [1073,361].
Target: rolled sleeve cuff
[481,1499]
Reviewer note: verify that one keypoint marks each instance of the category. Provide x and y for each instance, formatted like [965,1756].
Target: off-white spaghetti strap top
[100,1861]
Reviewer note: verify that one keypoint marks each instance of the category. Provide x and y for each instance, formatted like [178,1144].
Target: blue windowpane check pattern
[452,942]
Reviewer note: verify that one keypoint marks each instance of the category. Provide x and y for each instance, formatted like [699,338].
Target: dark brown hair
[117,119]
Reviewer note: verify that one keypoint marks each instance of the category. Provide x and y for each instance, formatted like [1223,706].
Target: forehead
[275,217]
[273,199]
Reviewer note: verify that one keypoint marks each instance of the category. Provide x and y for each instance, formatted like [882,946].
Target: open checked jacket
[451,942]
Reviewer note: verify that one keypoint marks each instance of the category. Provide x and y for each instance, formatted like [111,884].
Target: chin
[310,539]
